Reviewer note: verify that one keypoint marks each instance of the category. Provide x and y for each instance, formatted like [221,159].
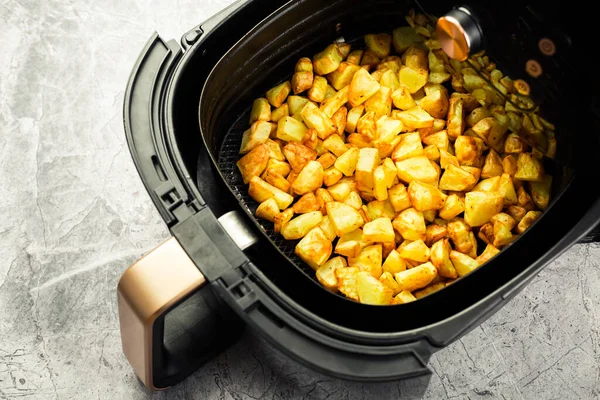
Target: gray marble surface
[74,215]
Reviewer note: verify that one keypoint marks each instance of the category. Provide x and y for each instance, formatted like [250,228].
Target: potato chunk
[414,251]
[314,248]
[402,98]
[457,179]
[528,220]
[290,130]
[309,179]
[379,230]
[261,110]
[362,87]
[372,291]
[277,95]
[529,168]
[410,223]
[440,258]
[468,150]
[418,169]
[268,209]
[346,163]
[253,163]
[334,103]
[404,297]
[394,263]
[415,118]
[463,263]
[347,281]
[480,207]
[261,191]
[328,60]
[258,134]
[453,206]
[298,227]
[326,273]
[316,119]
[413,78]
[425,197]
[540,192]
[410,146]
[298,155]
[345,219]
[417,277]
[380,44]
[368,160]
[369,260]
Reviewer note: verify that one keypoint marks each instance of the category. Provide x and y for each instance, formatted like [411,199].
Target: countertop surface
[74,215]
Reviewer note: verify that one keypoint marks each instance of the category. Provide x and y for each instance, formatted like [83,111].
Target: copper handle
[147,290]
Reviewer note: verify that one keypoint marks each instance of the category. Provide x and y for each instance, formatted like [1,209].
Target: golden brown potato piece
[447,159]
[296,104]
[390,80]
[379,183]
[463,263]
[398,197]
[402,98]
[290,130]
[436,103]
[380,44]
[355,57]
[415,118]
[514,144]
[342,76]
[302,81]
[492,165]
[432,288]
[425,197]
[261,110]
[480,207]
[318,89]
[502,226]
[527,220]
[258,134]
[438,139]
[276,180]
[456,120]
[488,185]
[305,204]
[333,104]
[345,219]
[540,192]
[490,131]
[281,219]
[299,226]
[315,118]
[314,248]
[347,281]
[418,169]
[410,146]
[413,78]
[336,145]
[388,280]
[414,251]
[468,150]
[298,155]
[457,179]
[353,116]
[353,200]
[253,163]
[379,230]
[380,209]
[331,176]
[268,209]
[327,226]
[410,223]
[326,273]
[440,258]
[339,119]
[328,60]
[380,103]
[509,164]
[459,232]
[280,112]
[529,168]
[489,253]
[404,37]
[261,191]
[415,57]
[350,244]
[394,263]
[368,160]
[417,277]
[362,87]
[524,200]
[403,297]
[434,232]
[367,125]
[304,64]
[326,160]
[369,259]
[453,206]
[372,291]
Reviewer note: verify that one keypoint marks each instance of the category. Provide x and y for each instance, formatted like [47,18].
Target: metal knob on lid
[459,34]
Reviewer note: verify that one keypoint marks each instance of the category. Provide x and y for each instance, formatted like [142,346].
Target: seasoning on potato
[394,170]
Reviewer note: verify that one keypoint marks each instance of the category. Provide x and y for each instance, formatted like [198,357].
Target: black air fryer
[186,106]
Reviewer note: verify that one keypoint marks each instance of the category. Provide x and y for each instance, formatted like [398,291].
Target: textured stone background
[74,215]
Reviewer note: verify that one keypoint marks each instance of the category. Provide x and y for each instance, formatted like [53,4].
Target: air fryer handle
[171,323]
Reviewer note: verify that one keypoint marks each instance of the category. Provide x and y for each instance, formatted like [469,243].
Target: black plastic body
[315,327]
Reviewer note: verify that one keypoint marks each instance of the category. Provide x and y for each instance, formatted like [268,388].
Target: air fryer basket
[264,57]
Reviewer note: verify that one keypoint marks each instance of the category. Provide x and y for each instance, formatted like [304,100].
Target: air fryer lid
[265,57]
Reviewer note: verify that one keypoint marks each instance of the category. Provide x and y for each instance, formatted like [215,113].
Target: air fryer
[186,106]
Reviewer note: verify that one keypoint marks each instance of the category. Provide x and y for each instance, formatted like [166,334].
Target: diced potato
[331,176]
[282,219]
[378,230]
[328,60]
[404,297]
[417,277]
[391,173]
[459,232]
[368,160]
[341,190]
[280,112]
[355,56]
[344,48]
[299,226]
[326,273]
[435,232]
[432,288]
[440,258]
[410,223]
[438,139]
[480,207]
[350,244]
[261,110]
[463,263]
[346,163]
[477,115]
[492,165]
[336,145]
[457,179]
[413,78]
[402,98]
[404,37]
[333,104]
[410,146]
[415,57]
[353,200]
[342,76]
[304,64]
[502,226]
[276,180]
[296,104]
[390,80]
[524,200]
[369,59]
[424,196]
[528,220]
[315,118]
[290,130]
[488,185]
[258,134]
[468,150]
[367,125]
[456,120]
[329,92]
[261,191]
[327,226]
[529,168]
[298,155]
[514,144]
[362,87]
[507,189]
[415,118]
[318,89]
[278,94]
[517,212]
[380,44]
[540,192]
[380,103]
[339,119]
[353,116]
[345,219]
[394,263]
[447,159]
[380,209]
[453,206]
[302,81]
[254,162]
[268,209]
[307,203]
[369,259]
[388,280]
[491,132]
[398,197]
[489,253]
[387,129]
[347,281]
[314,248]
[509,164]
[418,169]
[372,291]
[326,160]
